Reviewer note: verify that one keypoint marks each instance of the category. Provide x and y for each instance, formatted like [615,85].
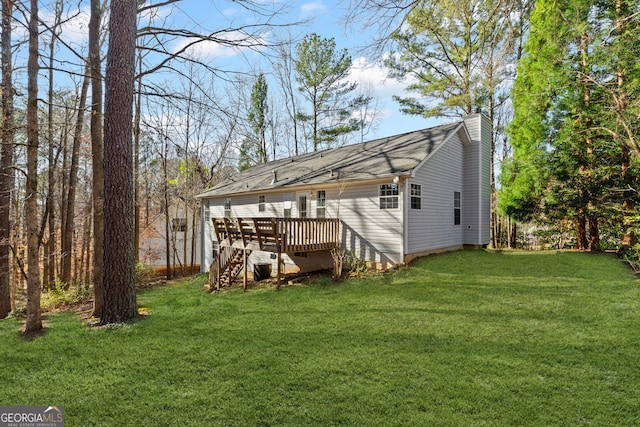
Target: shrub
[144,273]
[632,257]
[347,261]
[61,295]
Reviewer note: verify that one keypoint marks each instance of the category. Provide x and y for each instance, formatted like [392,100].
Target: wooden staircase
[226,267]
[238,237]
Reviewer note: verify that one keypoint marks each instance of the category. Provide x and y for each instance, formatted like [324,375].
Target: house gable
[440,177]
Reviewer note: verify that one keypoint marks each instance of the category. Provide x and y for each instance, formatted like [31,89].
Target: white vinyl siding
[485,190]
[432,227]
[477,186]
[371,233]
[471,193]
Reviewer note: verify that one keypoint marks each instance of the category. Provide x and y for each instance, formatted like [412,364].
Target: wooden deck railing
[287,235]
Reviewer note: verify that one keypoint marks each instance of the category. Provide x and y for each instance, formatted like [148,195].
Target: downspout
[405,219]
[202,234]
[480,180]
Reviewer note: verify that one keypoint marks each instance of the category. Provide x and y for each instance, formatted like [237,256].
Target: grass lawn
[465,338]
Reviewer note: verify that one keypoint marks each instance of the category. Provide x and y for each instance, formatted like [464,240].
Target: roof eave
[295,187]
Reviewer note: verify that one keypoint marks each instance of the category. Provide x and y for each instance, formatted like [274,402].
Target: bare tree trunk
[136,162]
[628,235]
[185,235]
[194,226]
[97,155]
[87,239]
[63,178]
[594,233]
[513,235]
[49,261]
[284,70]
[581,231]
[119,259]
[165,202]
[17,277]
[83,264]
[67,238]
[34,318]
[6,161]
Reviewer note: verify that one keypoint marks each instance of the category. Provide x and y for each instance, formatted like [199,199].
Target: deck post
[244,280]
[218,270]
[278,268]
[229,266]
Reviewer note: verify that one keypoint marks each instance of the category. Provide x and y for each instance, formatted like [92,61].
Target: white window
[456,208]
[416,196]
[321,204]
[302,206]
[261,203]
[179,224]
[227,207]
[287,205]
[388,196]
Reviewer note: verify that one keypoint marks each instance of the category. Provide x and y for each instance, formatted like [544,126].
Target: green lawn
[466,338]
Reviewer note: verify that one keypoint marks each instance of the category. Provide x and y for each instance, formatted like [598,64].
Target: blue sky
[327,20]
[324,17]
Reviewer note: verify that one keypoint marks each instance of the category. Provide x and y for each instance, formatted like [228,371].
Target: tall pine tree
[254,148]
[321,71]
[566,163]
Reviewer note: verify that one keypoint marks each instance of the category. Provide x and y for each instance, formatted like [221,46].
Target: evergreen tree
[254,148]
[322,70]
[443,48]
[565,164]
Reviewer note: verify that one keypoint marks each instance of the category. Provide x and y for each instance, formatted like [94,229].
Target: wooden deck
[238,237]
[285,235]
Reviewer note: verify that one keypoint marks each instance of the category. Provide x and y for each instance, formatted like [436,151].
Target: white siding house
[396,198]
[183,236]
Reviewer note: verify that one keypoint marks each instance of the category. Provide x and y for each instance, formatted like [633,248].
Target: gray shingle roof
[384,157]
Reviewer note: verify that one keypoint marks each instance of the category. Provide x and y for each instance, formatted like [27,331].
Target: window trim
[417,197]
[227,207]
[303,205]
[179,225]
[457,208]
[262,199]
[321,204]
[286,204]
[388,196]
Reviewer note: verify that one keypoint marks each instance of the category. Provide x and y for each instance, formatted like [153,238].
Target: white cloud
[374,75]
[206,49]
[74,29]
[309,10]
[234,43]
